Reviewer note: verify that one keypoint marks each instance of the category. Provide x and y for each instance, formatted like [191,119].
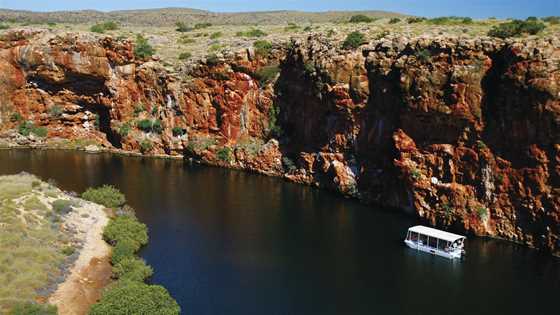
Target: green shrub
[182,27]
[450,20]
[40,131]
[126,228]
[516,28]
[199,26]
[55,111]
[394,21]
[106,26]
[29,308]
[267,74]
[68,250]
[262,47]
[186,40]
[139,108]
[251,33]
[532,19]
[185,55]
[360,18]
[354,40]
[133,297]
[143,49]
[552,20]
[124,249]
[124,129]
[216,35]
[106,195]
[412,20]
[274,130]
[212,60]
[26,128]
[307,29]
[148,125]
[97,28]
[288,164]
[424,55]
[146,146]
[4,26]
[15,117]
[132,269]
[62,206]
[291,27]
[110,26]
[482,212]
[224,154]
[178,131]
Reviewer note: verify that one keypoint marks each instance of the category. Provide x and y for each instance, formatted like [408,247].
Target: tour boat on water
[435,241]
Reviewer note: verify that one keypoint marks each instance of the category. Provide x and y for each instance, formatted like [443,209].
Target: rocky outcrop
[462,133]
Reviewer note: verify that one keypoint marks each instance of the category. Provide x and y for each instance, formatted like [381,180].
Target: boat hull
[450,255]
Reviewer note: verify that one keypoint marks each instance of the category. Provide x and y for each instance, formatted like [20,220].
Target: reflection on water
[227,242]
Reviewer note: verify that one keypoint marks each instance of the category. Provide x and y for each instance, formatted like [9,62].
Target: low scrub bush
[292,27]
[516,28]
[106,26]
[450,20]
[148,125]
[133,297]
[394,21]
[354,40]
[29,308]
[182,27]
[216,35]
[360,18]
[126,228]
[199,26]
[62,206]
[185,55]
[26,128]
[178,131]
[146,145]
[552,20]
[55,111]
[143,49]
[124,249]
[4,26]
[15,117]
[132,269]
[416,19]
[262,47]
[106,195]
[124,129]
[251,33]
[224,154]
[267,74]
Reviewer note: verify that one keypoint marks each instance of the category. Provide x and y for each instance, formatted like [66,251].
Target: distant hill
[169,16]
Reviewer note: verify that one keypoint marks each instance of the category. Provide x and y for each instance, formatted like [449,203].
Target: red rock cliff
[463,133]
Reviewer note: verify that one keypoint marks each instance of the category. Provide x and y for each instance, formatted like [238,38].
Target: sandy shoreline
[91,272]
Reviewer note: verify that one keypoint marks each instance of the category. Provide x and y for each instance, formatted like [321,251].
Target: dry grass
[31,243]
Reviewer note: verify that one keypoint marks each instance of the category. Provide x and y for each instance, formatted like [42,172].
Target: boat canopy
[442,235]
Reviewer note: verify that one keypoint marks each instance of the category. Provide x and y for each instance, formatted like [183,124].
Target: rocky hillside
[460,132]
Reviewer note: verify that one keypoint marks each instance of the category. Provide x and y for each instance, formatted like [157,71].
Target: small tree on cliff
[143,49]
[354,40]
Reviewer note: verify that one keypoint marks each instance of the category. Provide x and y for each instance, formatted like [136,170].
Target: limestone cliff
[463,133]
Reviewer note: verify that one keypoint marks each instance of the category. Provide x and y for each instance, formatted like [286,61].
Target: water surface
[228,242]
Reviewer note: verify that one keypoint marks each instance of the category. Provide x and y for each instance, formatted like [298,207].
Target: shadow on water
[228,242]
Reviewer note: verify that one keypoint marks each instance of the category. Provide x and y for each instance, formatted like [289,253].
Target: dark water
[226,242]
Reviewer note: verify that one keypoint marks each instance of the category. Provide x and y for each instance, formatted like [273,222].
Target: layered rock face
[461,133]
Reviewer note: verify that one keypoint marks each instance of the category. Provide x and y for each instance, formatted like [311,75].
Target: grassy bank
[129,294]
[35,250]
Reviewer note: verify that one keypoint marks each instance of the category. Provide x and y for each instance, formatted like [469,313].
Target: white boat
[435,241]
